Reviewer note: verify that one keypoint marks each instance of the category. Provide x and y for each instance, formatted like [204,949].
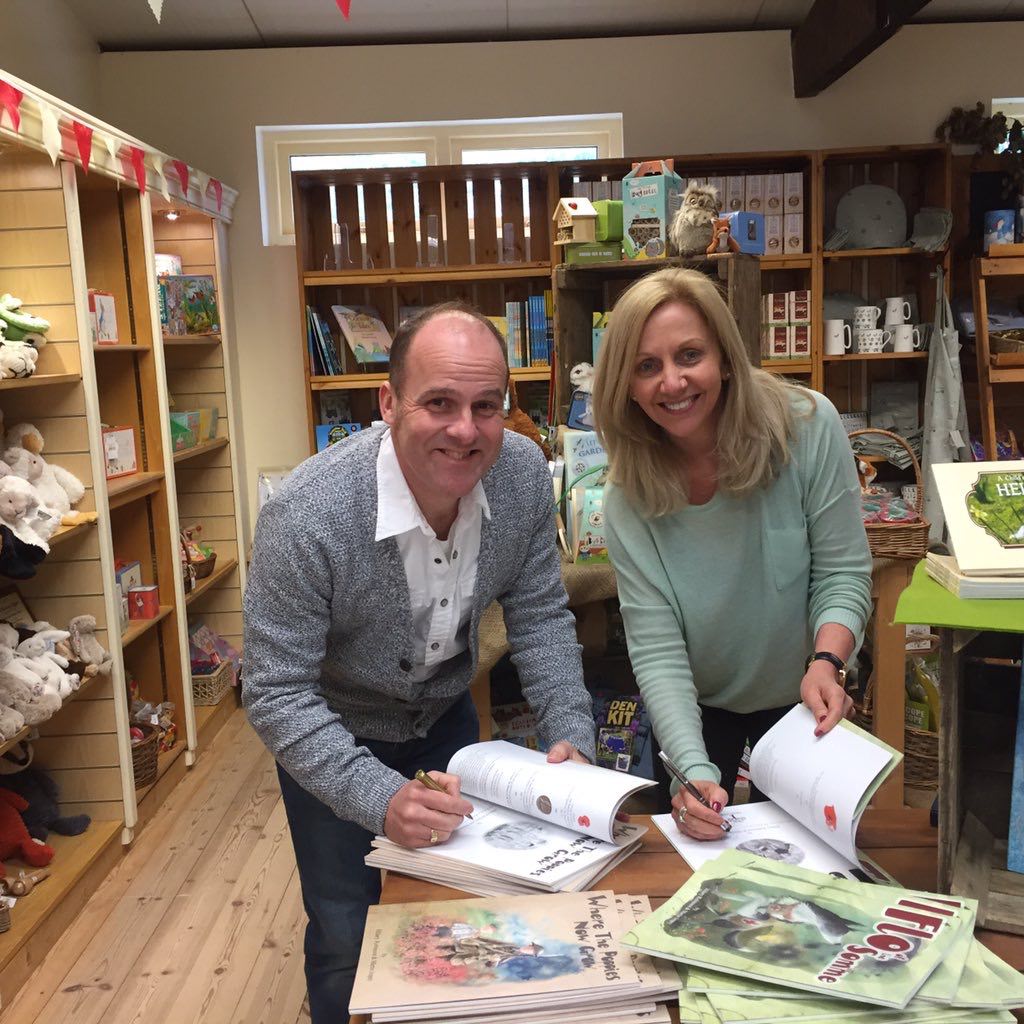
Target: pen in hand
[689,786]
[424,779]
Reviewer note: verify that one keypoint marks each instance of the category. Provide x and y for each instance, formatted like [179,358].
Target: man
[370,570]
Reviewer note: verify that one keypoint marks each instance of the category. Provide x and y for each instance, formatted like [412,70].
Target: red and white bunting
[50,127]
[218,191]
[181,169]
[83,138]
[137,157]
[203,184]
[157,7]
[158,160]
[345,6]
[10,101]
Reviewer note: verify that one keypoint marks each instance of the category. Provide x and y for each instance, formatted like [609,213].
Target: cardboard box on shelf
[794,192]
[748,230]
[119,451]
[793,233]
[735,193]
[718,184]
[593,252]
[609,220]
[773,236]
[755,193]
[775,308]
[775,341]
[773,194]
[651,195]
[800,307]
[800,341]
[143,602]
[127,575]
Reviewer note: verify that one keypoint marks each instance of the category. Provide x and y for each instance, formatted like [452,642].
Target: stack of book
[944,569]
[535,826]
[764,941]
[529,328]
[523,959]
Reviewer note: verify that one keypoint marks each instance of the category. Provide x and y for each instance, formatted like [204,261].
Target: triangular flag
[218,191]
[112,147]
[138,158]
[83,136]
[50,130]
[156,6]
[157,160]
[203,184]
[10,100]
[344,6]
[181,169]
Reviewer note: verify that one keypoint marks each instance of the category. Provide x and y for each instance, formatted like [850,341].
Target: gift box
[143,602]
[748,230]
[127,575]
[609,220]
[651,196]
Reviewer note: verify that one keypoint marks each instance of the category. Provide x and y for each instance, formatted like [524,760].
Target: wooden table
[901,841]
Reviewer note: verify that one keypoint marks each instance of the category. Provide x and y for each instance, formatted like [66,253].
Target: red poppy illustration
[583,821]
[830,817]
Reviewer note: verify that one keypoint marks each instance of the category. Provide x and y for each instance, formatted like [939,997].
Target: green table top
[930,603]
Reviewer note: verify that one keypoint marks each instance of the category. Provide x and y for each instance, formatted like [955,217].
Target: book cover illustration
[996,504]
[331,433]
[364,332]
[188,304]
[804,929]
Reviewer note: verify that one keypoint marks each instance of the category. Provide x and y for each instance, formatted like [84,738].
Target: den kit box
[651,194]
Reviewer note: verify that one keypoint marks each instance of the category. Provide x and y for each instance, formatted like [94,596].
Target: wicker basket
[196,568]
[208,689]
[5,918]
[144,757]
[899,540]
[920,747]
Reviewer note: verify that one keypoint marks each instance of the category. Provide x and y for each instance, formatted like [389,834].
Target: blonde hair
[756,422]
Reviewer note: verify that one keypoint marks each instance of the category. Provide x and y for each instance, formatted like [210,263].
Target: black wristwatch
[837,663]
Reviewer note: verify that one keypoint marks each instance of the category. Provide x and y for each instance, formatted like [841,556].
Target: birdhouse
[575,221]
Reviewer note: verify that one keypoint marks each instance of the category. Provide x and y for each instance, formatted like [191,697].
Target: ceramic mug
[905,338]
[838,338]
[873,341]
[865,318]
[897,311]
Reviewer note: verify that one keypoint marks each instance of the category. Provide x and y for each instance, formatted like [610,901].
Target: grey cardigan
[328,645]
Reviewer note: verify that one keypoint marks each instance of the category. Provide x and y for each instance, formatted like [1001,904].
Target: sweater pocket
[789,552]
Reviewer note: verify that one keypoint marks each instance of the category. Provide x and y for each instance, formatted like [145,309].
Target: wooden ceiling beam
[837,35]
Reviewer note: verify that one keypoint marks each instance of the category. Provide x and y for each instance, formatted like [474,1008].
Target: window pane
[509,156]
[355,161]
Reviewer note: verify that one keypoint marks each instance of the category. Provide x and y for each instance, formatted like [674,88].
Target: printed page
[819,780]
[580,797]
[770,832]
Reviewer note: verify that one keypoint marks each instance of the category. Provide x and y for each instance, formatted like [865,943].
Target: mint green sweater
[721,601]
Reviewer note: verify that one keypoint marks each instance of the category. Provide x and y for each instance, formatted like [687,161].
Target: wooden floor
[202,919]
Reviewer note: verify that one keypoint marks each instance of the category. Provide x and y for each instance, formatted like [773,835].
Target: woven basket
[208,689]
[920,747]
[197,569]
[899,540]
[5,918]
[144,757]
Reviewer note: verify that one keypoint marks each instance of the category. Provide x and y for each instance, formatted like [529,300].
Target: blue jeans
[337,887]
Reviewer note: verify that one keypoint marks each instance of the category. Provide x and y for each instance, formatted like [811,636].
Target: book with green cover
[806,930]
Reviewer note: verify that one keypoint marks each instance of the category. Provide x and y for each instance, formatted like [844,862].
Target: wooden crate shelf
[123,349]
[427,275]
[203,448]
[528,373]
[868,254]
[348,382]
[873,357]
[39,380]
[124,489]
[137,627]
[186,340]
[65,533]
[218,574]
[787,365]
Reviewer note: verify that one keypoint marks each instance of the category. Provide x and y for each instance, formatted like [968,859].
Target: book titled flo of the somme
[984,507]
[536,826]
[781,924]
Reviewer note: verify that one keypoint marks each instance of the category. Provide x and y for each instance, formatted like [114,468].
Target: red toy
[14,838]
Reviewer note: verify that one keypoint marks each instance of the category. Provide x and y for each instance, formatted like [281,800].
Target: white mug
[897,311]
[838,338]
[905,338]
[873,341]
[865,318]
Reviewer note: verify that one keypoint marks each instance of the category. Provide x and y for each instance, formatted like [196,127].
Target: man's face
[447,423]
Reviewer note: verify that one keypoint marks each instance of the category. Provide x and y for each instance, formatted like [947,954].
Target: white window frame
[442,141]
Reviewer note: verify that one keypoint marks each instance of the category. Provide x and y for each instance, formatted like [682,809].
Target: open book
[818,788]
[536,827]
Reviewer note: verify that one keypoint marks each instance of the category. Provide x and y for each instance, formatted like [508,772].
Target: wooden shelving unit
[139,626]
[203,448]
[219,574]
[124,489]
[38,380]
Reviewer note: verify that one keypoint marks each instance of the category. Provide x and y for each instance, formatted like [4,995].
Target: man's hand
[695,820]
[563,750]
[827,700]
[416,814]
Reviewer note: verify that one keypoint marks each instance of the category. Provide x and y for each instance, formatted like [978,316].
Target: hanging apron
[945,412]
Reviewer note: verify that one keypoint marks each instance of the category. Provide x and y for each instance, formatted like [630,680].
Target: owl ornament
[693,228]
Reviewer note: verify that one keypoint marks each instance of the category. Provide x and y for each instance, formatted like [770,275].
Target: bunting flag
[203,184]
[344,6]
[158,160]
[50,127]
[111,144]
[181,169]
[83,137]
[138,158]
[10,100]
[156,6]
[218,191]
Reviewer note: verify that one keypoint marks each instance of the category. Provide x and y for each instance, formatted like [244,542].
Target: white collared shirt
[441,574]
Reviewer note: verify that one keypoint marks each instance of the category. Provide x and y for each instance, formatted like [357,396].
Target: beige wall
[703,93]
[42,42]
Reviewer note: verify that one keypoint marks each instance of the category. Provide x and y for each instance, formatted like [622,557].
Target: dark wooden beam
[837,35]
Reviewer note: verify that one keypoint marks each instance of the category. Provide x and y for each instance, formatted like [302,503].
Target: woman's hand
[695,820]
[827,700]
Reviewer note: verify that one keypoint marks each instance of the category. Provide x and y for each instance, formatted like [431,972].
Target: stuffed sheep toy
[11,722]
[17,359]
[53,673]
[86,649]
[22,511]
[58,489]
[32,700]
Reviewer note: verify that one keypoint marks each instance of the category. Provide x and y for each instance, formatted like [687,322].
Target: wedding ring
[434,837]
[681,815]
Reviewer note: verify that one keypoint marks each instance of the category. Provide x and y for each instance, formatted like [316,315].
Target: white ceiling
[206,24]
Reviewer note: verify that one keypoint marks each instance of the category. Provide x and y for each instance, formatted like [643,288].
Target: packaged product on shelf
[609,220]
[593,252]
[651,194]
[188,304]
[794,192]
[773,194]
[143,602]
[119,451]
[755,193]
[331,433]
[102,318]
[773,236]
[748,230]
[775,308]
[735,197]
[800,341]
[189,420]
[793,233]
[775,341]
[585,515]
[800,306]
[623,733]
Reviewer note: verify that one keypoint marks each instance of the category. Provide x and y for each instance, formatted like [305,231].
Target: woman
[733,522]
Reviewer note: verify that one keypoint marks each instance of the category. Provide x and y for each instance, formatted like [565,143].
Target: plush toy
[15,840]
[49,666]
[23,690]
[582,376]
[17,359]
[24,514]
[42,815]
[693,225]
[85,648]
[19,324]
[11,722]
[518,421]
[57,488]
[721,238]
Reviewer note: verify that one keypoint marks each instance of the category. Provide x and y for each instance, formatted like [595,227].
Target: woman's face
[677,376]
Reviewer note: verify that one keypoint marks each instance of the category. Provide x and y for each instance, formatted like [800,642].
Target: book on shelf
[364,333]
[536,827]
[188,304]
[331,433]
[807,931]
[324,359]
[523,958]
[983,503]
[813,825]
[945,570]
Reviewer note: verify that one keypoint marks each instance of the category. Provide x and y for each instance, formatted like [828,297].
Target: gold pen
[687,785]
[422,777]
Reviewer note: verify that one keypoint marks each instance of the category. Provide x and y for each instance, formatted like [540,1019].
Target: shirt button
[405,665]
[444,602]
[455,554]
[437,561]
[434,647]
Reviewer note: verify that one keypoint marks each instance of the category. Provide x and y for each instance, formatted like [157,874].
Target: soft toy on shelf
[85,648]
[17,358]
[11,723]
[693,225]
[58,488]
[23,512]
[51,667]
[721,238]
[23,690]
[42,815]
[19,324]
[15,840]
